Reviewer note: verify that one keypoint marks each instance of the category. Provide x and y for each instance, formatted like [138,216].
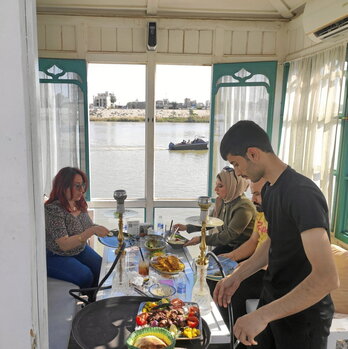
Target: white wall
[21,249]
[299,45]
[180,41]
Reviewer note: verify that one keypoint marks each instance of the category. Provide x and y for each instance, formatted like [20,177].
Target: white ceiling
[215,9]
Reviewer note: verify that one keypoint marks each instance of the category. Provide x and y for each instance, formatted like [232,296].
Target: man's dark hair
[243,135]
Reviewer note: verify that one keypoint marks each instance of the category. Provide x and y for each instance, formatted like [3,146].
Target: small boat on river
[196,144]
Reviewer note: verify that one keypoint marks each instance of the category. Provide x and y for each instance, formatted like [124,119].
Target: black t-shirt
[292,205]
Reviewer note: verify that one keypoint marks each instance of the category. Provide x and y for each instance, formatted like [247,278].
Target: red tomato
[141,319]
[192,321]
[193,311]
[177,303]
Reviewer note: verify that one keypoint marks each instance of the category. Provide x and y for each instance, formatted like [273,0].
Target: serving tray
[186,305]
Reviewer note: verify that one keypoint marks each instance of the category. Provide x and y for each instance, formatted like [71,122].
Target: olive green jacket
[239,218]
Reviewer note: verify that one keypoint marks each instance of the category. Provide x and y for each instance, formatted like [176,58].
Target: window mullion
[149,137]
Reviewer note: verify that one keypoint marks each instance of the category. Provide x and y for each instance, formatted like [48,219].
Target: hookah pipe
[204,203]
[119,196]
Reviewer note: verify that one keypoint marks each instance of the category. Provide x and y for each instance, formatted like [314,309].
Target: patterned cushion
[340,296]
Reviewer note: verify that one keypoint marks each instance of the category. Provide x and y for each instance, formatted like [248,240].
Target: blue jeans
[82,269]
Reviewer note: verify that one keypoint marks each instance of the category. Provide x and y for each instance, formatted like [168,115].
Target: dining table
[106,323]
[220,334]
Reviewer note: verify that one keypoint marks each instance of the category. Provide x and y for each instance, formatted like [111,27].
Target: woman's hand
[100,231]
[181,227]
[194,241]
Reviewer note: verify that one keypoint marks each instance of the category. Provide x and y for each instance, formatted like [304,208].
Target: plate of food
[213,271]
[151,337]
[168,264]
[181,319]
[177,241]
[153,244]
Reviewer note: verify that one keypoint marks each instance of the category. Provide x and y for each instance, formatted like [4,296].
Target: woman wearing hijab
[237,212]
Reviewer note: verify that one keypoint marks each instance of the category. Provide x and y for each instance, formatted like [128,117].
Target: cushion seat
[61,311]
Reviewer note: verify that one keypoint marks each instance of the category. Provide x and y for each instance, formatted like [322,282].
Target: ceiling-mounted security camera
[151,36]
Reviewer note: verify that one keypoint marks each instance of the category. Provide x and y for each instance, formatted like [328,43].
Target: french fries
[168,264]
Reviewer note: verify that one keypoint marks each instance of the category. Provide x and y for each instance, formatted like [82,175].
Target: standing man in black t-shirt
[295,309]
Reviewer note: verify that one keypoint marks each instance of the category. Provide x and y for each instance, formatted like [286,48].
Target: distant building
[187,103]
[136,105]
[104,100]
[163,104]
[190,104]
[159,104]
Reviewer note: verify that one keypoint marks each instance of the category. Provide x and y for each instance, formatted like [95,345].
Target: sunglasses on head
[228,169]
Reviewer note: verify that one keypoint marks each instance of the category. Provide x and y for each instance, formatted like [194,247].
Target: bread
[150,342]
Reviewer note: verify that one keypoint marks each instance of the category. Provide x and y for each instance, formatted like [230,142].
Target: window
[63,116]
[117,129]
[182,116]
[312,133]
[340,219]
[240,91]
[123,131]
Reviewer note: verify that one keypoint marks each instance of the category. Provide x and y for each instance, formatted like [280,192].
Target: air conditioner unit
[325,19]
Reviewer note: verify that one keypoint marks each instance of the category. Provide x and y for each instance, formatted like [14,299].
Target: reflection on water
[117,160]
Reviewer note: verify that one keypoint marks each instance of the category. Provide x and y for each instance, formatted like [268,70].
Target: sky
[127,82]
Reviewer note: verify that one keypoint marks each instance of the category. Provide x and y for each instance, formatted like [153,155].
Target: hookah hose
[95,290]
[229,308]
[119,254]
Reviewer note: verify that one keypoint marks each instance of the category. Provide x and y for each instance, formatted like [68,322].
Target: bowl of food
[151,337]
[162,291]
[155,244]
[177,241]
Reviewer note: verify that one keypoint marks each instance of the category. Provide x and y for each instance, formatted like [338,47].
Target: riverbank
[138,115]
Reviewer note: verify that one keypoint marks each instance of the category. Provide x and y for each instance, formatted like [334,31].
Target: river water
[117,160]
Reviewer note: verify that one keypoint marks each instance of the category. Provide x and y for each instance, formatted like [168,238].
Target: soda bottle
[181,286]
[160,225]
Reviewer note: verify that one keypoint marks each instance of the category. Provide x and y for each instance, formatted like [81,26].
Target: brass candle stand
[204,203]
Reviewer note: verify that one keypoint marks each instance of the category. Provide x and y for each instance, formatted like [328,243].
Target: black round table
[108,323]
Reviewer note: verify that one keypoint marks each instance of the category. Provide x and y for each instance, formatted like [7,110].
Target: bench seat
[61,311]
